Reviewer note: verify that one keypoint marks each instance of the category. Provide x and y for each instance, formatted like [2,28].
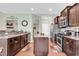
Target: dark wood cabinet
[71,47]
[56,20]
[22,41]
[60,20]
[74,15]
[77,14]
[65,14]
[10,47]
[15,44]
[63,19]
[26,39]
[71,21]
[69,16]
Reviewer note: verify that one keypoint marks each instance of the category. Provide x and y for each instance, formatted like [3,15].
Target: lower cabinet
[27,39]
[22,41]
[15,44]
[10,47]
[71,47]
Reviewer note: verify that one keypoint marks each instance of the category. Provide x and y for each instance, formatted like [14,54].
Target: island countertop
[40,36]
[11,35]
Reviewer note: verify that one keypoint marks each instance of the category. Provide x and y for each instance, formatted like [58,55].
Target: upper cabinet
[65,12]
[64,18]
[77,14]
[56,20]
[69,16]
[73,15]
[60,20]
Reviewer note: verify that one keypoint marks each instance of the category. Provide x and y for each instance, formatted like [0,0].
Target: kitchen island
[12,43]
[41,45]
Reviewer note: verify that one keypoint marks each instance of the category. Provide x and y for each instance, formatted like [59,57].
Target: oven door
[59,41]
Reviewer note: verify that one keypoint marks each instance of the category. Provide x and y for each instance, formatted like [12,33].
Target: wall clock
[24,23]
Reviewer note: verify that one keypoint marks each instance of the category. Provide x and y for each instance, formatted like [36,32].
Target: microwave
[63,23]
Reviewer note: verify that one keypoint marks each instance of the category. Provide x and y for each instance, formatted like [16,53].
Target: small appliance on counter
[68,32]
[77,32]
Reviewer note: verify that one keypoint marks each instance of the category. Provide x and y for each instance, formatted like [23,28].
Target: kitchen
[25,32]
[67,37]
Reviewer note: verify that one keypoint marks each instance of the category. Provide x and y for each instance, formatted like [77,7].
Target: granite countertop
[40,36]
[6,36]
[73,37]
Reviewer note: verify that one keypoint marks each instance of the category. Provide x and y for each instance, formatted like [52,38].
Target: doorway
[45,29]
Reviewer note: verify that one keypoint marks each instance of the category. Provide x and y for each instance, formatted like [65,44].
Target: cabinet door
[56,20]
[26,39]
[77,14]
[64,13]
[10,47]
[72,17]
[22,41]
[60,21]
[17,44]
[69,46]
[66,42]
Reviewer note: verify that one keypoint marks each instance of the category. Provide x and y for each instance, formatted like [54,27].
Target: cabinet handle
[16,41]
[67,42]
[73,24]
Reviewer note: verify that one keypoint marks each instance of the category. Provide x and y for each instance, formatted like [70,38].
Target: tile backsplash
[70,28]
[73,30]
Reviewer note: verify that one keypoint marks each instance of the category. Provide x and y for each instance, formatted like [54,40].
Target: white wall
[36,23]
[45,20]
[29,17]
[2,21]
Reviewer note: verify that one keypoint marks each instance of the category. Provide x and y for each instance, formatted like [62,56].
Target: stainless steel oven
[59,41]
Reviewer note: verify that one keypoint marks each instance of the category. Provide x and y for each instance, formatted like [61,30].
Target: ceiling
[39,8]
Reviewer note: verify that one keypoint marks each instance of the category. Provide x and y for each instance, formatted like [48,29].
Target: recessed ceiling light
[32,9]
[50,9]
